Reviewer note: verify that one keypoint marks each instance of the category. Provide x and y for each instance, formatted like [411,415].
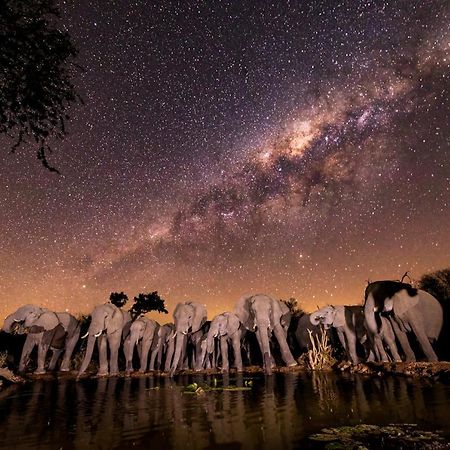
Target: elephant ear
[402,302]
[199,317]
[286,314]
[244,312]
[47,321]
[233,323]
[155,337]
[339,316]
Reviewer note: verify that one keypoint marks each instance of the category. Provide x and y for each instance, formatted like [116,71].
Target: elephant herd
[397,322]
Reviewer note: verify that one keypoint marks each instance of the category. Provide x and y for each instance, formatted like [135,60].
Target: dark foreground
[286,411]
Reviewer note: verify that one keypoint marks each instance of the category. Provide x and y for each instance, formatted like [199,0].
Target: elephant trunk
[8,324]
[369,314]
[315,318]
[265,347]
[177,355]
[88,355]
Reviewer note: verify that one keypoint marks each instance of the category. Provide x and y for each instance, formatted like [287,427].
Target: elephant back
[432,313]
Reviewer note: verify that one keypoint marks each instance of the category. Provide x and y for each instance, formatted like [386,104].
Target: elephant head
[328,316]
[189,318]
[32,318]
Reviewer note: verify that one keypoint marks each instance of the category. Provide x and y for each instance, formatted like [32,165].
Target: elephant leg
[153,355]
[286,354]
[265,349]
[114,344]
[128,349]
[389,338]
[404,342]
[103,355]
[424,343]
[42,353]
[145,350]
[351,342]
[71,342]
[30,342]
[380,351]
[169,355]
[236,341]
[224,352]
[341,337]
[56,353]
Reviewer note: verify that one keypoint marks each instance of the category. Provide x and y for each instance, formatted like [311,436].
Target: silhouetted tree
[118,298]
[144,303]
[294,307]
[35,82]
[437,284]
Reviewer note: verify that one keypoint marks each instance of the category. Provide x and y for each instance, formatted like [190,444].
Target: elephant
[409,310]
[165,346]
[386,335]
[143,334]
[45,329]
[348,322]
[227,328]
[109,323]
[266,316]
[189,318]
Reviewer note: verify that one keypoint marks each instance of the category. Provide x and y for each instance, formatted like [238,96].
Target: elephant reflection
[46,330]
[266,316]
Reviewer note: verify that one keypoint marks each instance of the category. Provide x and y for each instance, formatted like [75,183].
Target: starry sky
[291,148]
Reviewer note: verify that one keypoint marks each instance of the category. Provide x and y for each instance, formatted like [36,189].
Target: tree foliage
[118,298]
[35,82]
[437,284]
[294,307]
[145,303]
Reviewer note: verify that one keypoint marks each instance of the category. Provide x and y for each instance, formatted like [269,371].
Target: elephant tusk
[98,334]
[217,334]
[184,332]
[174,334]
[85,336]
[375,309]
[17,320]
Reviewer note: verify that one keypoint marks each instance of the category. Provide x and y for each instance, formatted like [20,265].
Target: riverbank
[438,371]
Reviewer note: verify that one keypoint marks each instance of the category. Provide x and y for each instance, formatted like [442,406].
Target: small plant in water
[320,357]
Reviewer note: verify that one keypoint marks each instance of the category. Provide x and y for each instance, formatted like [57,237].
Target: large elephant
[266,316]
[108,323]
[348,322]
[227,328]
[410,310]
[143,335]
[46,330]
[189,318]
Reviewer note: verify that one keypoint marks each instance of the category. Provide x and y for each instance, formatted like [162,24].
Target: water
[278,412]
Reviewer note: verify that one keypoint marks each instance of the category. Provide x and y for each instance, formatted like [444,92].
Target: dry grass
[320,357]
[3,359]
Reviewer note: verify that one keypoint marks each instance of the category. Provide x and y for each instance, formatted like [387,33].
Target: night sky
[291,148]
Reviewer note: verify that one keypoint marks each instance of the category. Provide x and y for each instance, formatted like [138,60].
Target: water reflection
[155,412]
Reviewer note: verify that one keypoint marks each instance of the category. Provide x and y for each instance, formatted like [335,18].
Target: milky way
[230,148]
